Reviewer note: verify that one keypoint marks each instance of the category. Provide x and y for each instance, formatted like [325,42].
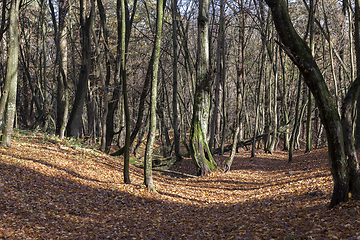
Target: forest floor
[51,189]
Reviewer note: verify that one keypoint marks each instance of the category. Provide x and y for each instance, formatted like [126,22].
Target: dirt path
[52,191]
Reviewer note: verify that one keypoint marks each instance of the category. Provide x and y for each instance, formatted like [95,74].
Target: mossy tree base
[199,148]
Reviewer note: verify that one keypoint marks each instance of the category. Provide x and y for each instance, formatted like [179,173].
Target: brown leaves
[48,190]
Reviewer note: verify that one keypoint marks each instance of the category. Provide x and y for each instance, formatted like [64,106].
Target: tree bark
[261,76]
[357,54]
[301,56]
[74,123]
[175,120]
[297,121]
[350,151]
[214,126]
[104,79]
[62,88]
[240,79]
[125,92]
[148,179]
[199,149]
[11,72]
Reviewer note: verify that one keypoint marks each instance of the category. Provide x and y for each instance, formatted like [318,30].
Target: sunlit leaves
[52,191]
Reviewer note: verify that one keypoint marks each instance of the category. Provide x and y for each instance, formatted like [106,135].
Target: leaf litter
[51,191]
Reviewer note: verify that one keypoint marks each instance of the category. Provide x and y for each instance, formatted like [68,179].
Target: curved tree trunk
[301,56]
[74,123]
[350,151]
[297,120]
[199,149]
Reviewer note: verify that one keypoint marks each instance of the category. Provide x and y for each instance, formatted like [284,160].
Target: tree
[61,46]
[122,29]
[301,56]
[74,123]
[239,92]
[175,121]
[200,152]
[148,179]
[11,73]
[357,53]
[114,102]
[347,125]
[104,79]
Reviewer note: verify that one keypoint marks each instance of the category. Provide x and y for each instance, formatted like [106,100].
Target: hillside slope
[49,190]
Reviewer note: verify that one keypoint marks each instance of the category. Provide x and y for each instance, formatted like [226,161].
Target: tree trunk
[199,149]
[223,78]
[240,79]
[214,122]
[11,72]
[104,79]
[311,21]
[331,56]
[61,45]
[262,71]
[74,123]
[284,105]
[175,121]
[148,179]
[125,93]
[357,54]
[301,56]
[142,104]
[275,63]
[350,151]
[297,120]
[114,102]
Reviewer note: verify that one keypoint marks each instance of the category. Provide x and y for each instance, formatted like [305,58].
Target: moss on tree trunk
[200,151]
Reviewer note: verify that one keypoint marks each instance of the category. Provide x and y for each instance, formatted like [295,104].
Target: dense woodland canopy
[90,69]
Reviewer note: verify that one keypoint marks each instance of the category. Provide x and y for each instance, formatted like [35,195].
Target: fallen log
[170,171]
[174,172]
[239,144]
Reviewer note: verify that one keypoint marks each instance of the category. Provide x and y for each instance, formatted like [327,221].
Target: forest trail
[49,190]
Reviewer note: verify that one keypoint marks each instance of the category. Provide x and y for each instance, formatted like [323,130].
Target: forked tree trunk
[301,56]
[199,149]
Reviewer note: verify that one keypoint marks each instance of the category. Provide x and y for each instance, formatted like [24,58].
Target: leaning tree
[340,151]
